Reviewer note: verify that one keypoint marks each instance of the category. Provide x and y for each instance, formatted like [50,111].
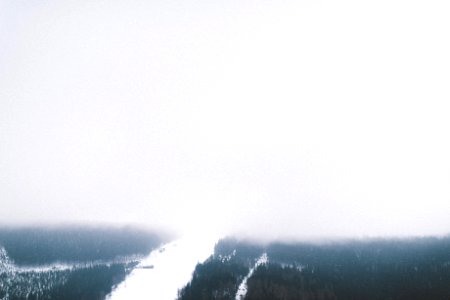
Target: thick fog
[265,118]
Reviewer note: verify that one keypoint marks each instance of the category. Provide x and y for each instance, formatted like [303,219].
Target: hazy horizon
[276,120]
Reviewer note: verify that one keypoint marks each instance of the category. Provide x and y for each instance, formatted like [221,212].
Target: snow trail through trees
[242,290]
[165,271]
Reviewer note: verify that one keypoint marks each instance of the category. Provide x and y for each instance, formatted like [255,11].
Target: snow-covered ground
[165,270]
[242,290]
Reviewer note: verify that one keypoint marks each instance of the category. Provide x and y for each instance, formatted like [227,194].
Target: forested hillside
[71,262]
[404,269]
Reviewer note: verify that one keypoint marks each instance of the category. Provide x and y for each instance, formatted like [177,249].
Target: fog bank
[282,119]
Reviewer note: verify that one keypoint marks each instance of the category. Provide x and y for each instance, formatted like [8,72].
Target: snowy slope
[165,270]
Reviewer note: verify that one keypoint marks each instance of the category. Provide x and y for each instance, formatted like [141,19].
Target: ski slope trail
[165,271]
[242,290]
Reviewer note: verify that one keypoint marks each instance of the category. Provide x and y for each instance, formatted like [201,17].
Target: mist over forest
[229,149]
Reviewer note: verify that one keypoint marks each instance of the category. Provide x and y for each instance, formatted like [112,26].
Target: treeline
[220,276]
[403,269]
[92,251]
[90,283]
[214,279]
[45,245]
[274,281]
[375,269]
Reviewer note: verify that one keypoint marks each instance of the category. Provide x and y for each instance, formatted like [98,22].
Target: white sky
[275,118]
